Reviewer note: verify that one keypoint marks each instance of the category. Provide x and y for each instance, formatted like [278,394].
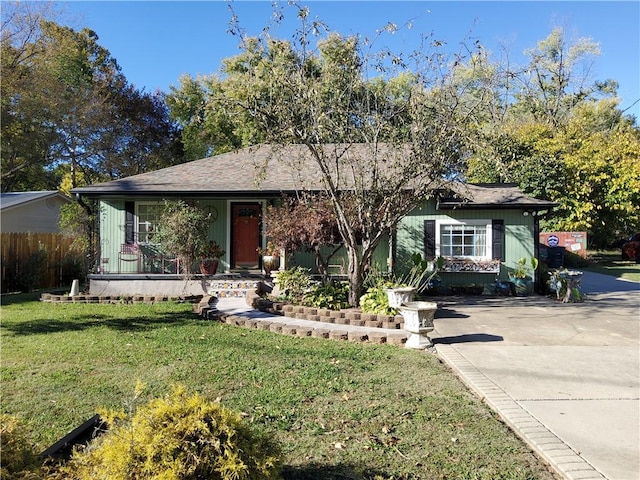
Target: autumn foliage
[304,224]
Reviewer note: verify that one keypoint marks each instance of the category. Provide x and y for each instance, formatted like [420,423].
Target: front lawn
[340,410]
[611,263]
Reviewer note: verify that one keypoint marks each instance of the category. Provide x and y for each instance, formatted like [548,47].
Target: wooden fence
[20,270]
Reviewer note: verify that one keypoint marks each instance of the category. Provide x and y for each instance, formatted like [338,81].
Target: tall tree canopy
[561,136]
[395,124]
[68,109]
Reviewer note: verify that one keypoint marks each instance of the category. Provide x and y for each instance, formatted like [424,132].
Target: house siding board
[339,263]
[112,235]
[218,227]
[518,239]
[38,216]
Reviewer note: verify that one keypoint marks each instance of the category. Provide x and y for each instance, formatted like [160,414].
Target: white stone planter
[418,321]
[270,263]
[399,295]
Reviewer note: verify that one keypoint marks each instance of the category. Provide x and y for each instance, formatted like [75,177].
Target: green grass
[339,410]
[611,263]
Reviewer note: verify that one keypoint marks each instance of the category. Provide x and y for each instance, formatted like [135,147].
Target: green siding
[112,234]
[339,260]
[112,217]
[409,239]
[518,241]
[218,228]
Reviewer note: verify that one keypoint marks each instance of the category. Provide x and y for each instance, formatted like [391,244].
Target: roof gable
[15,199]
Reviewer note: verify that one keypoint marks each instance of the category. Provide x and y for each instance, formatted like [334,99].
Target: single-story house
[482,230]
[31,212]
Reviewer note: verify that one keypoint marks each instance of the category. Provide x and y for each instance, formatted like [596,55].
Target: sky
[155,42]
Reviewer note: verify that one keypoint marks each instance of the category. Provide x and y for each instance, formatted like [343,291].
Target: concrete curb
[543,441]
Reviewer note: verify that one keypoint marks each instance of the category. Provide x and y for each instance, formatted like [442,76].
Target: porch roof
[494,195]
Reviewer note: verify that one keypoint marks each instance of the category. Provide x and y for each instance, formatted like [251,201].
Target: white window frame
[480,222]
[139,239]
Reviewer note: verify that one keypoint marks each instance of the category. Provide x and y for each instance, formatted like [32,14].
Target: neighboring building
[483,229]
[31,212]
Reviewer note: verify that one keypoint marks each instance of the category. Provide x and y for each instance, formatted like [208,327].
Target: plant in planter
[270,257]
[422,276]
[522,275]
[210,254]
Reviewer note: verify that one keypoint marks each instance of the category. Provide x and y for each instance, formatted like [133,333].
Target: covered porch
[232,284]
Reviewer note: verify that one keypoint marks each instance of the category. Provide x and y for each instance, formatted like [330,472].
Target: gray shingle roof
[250,170]
[12,199]
[263,170]
[500,195]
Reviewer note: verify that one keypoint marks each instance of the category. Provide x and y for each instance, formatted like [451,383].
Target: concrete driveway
[566,377]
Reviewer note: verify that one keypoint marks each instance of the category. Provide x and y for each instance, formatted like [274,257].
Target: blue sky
[155,42]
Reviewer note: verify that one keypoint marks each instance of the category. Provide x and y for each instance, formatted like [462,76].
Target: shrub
[30,273]
[178,437]
[182,231]
[72,268]
[333,295]
[376,301]
[19,461]
[295,283]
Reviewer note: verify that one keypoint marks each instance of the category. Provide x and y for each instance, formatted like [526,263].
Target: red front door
[245,218]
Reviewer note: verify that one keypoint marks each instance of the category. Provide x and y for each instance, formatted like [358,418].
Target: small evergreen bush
[178,437]
[19,460]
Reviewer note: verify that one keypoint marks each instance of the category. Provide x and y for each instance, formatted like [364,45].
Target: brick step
[351,317]
[230,293]
[234,284]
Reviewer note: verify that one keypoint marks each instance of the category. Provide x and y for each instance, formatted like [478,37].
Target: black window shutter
[129,222]
[497,239]
[429,239]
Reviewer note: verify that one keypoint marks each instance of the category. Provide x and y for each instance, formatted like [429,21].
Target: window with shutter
[429,239]
[497,239]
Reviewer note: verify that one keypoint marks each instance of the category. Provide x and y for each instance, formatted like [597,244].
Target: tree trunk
[322,265]
[355,276]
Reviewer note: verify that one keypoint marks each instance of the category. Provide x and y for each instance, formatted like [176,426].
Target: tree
[589,167]
[26,135]
[601,188]
[206,127]
[554,85]
[553,137]
[383,144]
[68,109]
[305,223]
[182,231]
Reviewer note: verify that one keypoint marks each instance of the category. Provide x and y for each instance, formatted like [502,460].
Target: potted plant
[210,253]
[522,275]
[422,276]
[270,257]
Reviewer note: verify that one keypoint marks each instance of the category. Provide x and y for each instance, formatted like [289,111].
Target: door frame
[259,239]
